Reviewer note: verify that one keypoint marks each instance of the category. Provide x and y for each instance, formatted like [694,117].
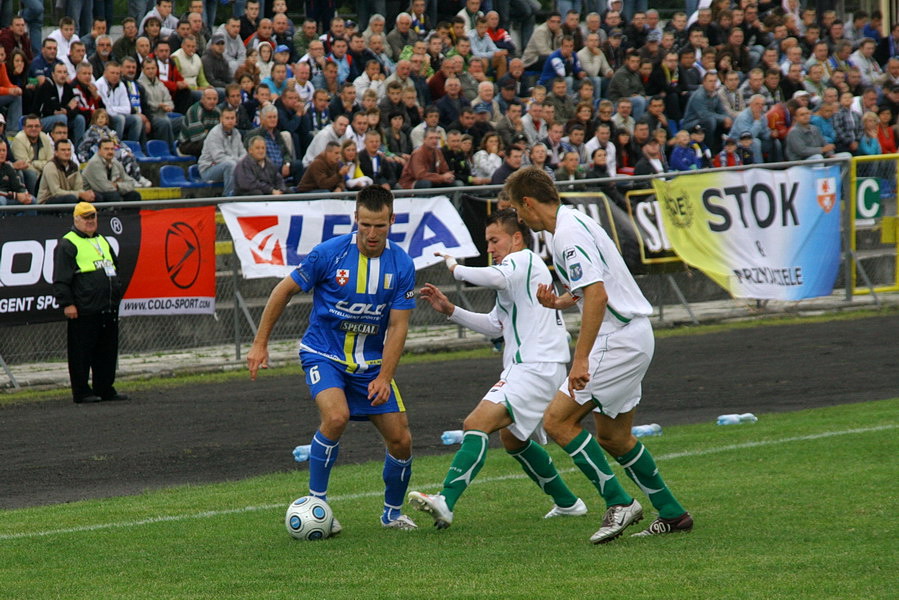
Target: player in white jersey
[534,365]
[613,351]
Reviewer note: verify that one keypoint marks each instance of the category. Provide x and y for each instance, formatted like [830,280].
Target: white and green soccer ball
[309,518]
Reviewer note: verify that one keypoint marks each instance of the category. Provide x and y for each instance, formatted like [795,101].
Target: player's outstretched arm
[257,357]
[485,323]
[595,300]
[397,328]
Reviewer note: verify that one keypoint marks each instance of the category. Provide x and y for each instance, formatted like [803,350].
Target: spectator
[32,150]
[426,166]
[255,174]
[234,53]
[115,97]
[163,12]
[683,156]
[869,142]
[401,36]
[10,94]
[730,156]
[12,190]
[158,104]
[99,130]
[511,164]
[848,126]
[190,65]
[546,39]
[399,147]
[570,169]
[652,162]
[107,177]
[56,102]
[706,109]
[305,35]
[335,132]
[482,47]
[222,150]
[752,120]
[352,178]
[804,141]
[562,63]
[15,37]
[511,125]
[822,119]
[731,98]
[886,134]
[452,103]
[198,122]
[275,146]
[126,45]
[534,123]
[325,173]
[374,164]
[249,22]
[216,67]
[627,83]
[61,181]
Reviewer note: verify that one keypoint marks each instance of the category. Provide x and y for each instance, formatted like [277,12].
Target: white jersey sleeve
[493,277]
[485,323]
[584,254]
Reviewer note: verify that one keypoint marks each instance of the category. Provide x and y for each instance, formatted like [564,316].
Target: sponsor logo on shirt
[410,294]
[360,328]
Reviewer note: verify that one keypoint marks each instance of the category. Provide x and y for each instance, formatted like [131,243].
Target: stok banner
[272,238]
[758,233]
[166,262]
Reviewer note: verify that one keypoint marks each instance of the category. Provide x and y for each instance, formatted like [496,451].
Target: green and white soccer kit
[536,350]
[584,254]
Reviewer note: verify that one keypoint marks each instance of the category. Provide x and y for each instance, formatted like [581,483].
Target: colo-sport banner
[272,238]
[166,262]
[758,233]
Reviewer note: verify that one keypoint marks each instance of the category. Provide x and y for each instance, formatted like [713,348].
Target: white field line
[246,509]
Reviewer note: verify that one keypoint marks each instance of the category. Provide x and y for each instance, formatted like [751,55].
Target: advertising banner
[758,233]
[168,256]
[272,238]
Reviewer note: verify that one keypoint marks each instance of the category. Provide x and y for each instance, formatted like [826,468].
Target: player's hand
[578,376]
[257,358]
[437,299]
[546,295]
[379,391]
[449,260]
[71,312]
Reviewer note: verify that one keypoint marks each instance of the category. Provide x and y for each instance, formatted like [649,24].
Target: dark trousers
[132,196]
[93,345]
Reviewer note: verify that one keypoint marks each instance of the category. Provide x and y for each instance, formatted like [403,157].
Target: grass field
[798,505]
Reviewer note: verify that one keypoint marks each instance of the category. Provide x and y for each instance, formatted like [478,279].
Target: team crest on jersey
[497,385]
[576,271]
[343,276]
[388,281]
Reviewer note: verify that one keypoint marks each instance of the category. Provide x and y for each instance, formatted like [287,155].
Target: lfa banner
[758,233]
[272,238]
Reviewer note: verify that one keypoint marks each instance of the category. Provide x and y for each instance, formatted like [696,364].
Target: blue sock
[322,457]
[396,482]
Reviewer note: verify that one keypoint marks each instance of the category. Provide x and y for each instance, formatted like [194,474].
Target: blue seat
[161,150]
[173,176]
[139,152]
[193,174]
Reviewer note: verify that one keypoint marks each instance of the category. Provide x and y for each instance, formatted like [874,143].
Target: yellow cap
[84,208]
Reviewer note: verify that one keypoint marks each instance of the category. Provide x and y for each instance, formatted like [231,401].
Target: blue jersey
[352,299]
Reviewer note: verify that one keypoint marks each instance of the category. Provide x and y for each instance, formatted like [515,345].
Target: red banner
[175,270]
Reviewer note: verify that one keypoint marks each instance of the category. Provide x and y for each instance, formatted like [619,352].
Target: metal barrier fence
[239,302]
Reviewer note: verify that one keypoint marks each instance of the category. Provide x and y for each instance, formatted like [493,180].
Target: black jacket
[386,174]
[92,292]
[48,100]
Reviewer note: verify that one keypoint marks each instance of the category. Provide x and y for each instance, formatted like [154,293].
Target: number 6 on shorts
[314,375]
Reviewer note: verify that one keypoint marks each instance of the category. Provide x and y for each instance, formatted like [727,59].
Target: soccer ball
[309,518]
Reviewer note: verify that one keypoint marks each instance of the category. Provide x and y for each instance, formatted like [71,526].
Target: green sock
[540,468]
[641,468]
[589,458]
[468,461]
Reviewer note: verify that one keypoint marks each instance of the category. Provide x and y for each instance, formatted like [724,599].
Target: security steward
[87,286]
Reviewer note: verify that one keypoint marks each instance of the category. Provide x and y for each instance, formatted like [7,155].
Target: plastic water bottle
[646,430]
[453,436]
[735,419]
[301,453]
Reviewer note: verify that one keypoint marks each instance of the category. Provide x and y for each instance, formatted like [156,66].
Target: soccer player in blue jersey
[363,293]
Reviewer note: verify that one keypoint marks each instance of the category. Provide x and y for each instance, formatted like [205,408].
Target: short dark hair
[534,183]
[507,218]
[374,198]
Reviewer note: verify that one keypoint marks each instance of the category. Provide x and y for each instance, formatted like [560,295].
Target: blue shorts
[323,373]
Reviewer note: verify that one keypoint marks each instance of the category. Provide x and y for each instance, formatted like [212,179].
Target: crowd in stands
[441,94]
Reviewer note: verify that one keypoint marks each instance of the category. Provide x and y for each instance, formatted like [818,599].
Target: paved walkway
[431,339]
